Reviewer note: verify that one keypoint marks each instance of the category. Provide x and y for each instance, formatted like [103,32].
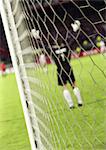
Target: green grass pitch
[13,133]
[85,127]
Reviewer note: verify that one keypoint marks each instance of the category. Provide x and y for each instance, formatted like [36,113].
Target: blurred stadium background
[97,34]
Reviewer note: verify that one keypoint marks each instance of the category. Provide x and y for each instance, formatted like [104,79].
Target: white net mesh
[80,25]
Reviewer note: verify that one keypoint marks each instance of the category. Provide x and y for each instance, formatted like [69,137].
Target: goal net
[35,27]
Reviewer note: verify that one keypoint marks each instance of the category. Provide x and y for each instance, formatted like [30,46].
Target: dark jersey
[61,57]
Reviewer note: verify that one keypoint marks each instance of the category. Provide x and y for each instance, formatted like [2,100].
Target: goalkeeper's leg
[68,97]
[62,79]
[77,94]
[75,89]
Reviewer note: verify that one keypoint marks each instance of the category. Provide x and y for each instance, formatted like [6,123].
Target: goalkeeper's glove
[76,25]
[35,33]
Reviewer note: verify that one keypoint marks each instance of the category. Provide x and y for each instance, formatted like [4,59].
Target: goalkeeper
[61,56]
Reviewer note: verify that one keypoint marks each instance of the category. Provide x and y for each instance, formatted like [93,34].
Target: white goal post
[11,32]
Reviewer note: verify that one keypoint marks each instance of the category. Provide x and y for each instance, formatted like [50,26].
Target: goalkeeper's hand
[35,33]
[76,25]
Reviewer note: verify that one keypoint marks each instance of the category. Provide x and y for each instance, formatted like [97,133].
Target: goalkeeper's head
[60,41]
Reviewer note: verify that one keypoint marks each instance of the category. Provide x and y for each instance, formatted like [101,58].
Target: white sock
[68,98]
[78,95]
